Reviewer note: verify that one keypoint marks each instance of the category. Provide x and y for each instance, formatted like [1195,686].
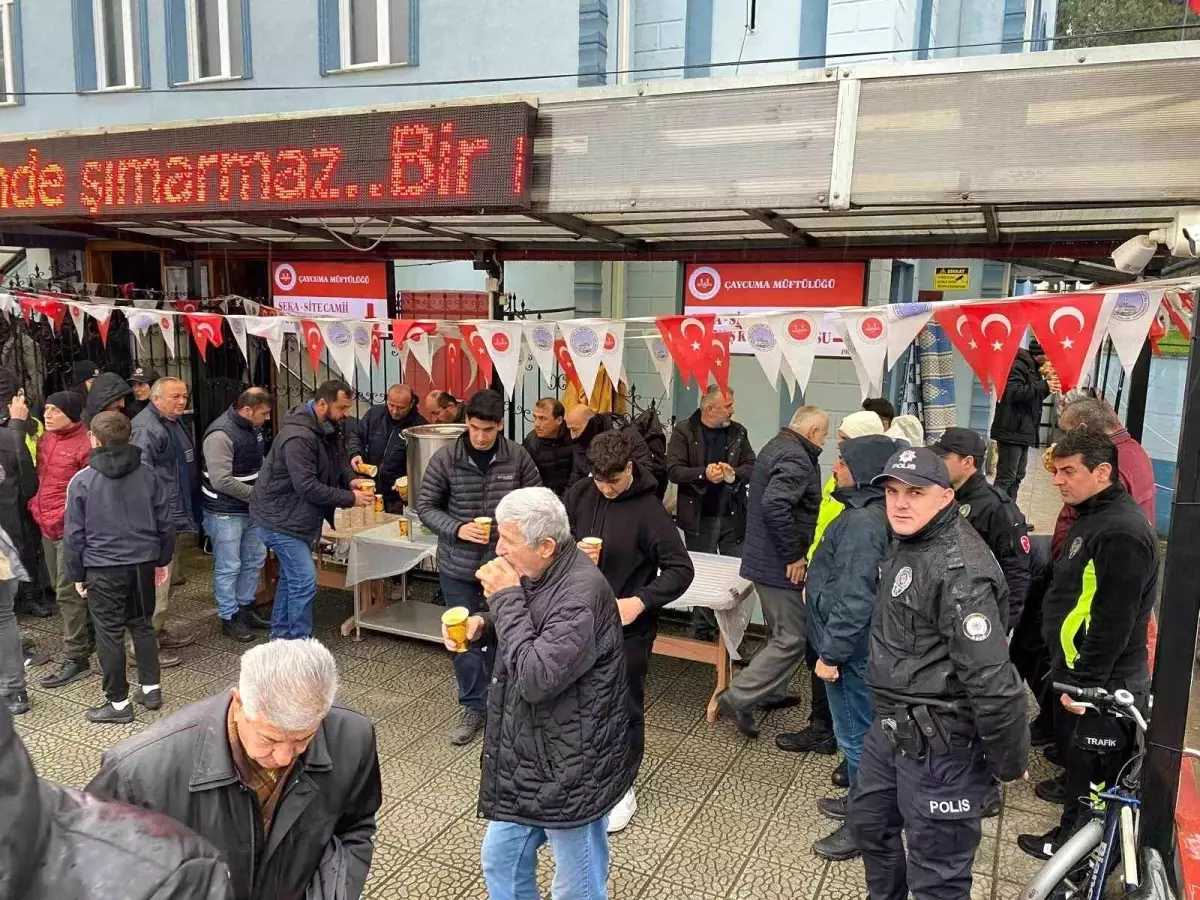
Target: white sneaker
[622,812]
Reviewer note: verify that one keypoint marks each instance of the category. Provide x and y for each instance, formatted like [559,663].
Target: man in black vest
[233,456]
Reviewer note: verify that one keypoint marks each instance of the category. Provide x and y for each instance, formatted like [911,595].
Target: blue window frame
[367,34]
[208,40]
[112,44]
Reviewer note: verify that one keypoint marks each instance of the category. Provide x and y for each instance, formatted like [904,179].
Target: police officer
[950,709]
[990,511]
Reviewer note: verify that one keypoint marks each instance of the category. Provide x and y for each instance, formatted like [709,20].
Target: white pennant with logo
[760,335]
[904,323]
[76,311]
[612,352]
[237,327]
[339,341]
[166,324]
[138,323]
[661,358]
[539,336]
[362,346]
[99,311]
[585,341]
[503,342]
[1133,313]
[797,333]
[865,333]
[419,344]
[270,330]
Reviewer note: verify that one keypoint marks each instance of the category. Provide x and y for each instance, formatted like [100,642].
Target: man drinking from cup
[628,533]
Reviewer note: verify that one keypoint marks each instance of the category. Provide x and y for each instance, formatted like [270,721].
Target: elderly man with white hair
[556,751]
[280,779]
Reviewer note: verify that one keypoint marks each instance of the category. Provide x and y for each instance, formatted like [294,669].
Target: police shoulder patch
[1075,547]
[964,510]
[903,580]
[977,627]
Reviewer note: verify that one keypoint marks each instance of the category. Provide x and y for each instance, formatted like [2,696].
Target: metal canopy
[1054,154]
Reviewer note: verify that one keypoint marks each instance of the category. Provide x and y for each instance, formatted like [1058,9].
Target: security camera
[1183,237]
[1135,254]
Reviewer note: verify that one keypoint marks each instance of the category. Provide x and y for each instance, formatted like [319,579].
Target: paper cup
[486,522]
[594,543]
[367,469]
[367,484]
[401,487]
[455,621]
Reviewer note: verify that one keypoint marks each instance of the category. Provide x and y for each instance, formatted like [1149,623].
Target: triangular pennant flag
[988,336]
[584,341]
[567,365]
[166,325]
[339,341]
[364,335]
[865,334]
[964,335]
[718,362]
[6,303]
[453,355]
[237,327]
[143,302]
[270,329]
[689,339]
[761,337]
[138,323]
[1064,326]
[540,338]
[314,343]
[1133,313]
[205,329]
[414,337]
[798,333]
[77,317]
[661,358]
[905,321]
[612,354]
[503,341]
[54,310]
[477,347]
[1180,306]
[102,314]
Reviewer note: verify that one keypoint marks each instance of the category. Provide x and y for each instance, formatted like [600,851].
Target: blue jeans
[580,861]
[292,615]
[473,669]
[238,557]
[850,706]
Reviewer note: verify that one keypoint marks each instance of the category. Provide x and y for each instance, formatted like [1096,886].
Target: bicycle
[1081,867]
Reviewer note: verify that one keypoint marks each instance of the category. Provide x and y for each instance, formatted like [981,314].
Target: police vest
[247,461]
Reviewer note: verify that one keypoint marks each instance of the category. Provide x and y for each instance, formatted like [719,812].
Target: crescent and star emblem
[958,326]
[1073,313]
[683,330]
[997,346]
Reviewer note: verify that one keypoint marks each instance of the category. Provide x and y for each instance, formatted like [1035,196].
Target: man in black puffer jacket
[1015,427]
[785,495]
[463,482]
[61,844]
[642,556]
[377,439]
[556,755]
[550,445]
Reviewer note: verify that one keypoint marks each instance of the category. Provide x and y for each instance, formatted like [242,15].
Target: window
[368,34]
[214,39]
[110,44]
[9,48]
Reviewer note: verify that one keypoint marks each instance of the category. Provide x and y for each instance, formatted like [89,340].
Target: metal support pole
[1179,612]
[1139,387]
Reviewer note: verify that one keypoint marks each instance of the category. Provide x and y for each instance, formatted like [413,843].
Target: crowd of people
[906,585]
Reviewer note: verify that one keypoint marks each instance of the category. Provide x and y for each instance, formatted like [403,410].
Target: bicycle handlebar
[1120,701]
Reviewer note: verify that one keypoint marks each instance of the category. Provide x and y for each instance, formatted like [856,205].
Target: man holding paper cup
[459,492]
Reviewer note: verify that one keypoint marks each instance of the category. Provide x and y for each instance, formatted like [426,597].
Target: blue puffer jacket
[785,494]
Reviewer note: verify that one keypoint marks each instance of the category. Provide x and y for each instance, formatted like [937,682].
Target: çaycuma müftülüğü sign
[476,157]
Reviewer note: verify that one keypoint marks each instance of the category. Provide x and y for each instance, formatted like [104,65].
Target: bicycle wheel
[1068,857]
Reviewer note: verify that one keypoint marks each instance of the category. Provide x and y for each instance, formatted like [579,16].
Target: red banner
[1064,326]
[689,340]
[314,342]
[719,364]
[205,329]
[566,363]
[479,352]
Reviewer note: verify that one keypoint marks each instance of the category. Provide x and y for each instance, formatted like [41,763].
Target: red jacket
[60,455]
[1137,477]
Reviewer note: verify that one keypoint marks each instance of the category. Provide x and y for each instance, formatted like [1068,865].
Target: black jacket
[168,449]
[305,477]
[1095,614]
[643,555]
[842,581]
[685,467]
[379,440]
[16,490]
[556,750]
[108,388]
[61,844]
[640,450]
[1020,408]
[554,458]
[937,640]
[785,495]
[182,765]
[1002,526]
[133,406]
[118,514]
[454,492]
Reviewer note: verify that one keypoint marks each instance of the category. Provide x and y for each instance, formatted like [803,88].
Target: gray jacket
[167,448]
[182,766]
[454,492]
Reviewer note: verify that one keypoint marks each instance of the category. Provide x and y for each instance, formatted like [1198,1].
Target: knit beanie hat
[69,404]
[860,424]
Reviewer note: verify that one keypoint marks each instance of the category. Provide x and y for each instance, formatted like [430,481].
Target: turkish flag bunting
[1064,326]
[77,317]
[689,340]
[453,359]
[719,361]
[205,329]
[187,306]
[1001,327]
[563,355]
[416,335]
[103,316]
[376,343]
[478,348]
[1179,305]
[53,310]
[314,342]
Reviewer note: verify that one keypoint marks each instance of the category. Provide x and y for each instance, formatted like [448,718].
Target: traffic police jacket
[1095,614]
[937,640]
[1002,526]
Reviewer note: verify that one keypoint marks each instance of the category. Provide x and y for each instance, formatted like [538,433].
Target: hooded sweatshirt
[642,555]
[856,425]
[107,389]
[118,514]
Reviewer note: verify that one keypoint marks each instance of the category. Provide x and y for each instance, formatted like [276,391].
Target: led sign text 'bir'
[470,156]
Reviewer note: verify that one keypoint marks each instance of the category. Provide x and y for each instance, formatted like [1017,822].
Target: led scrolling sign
[469,157]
